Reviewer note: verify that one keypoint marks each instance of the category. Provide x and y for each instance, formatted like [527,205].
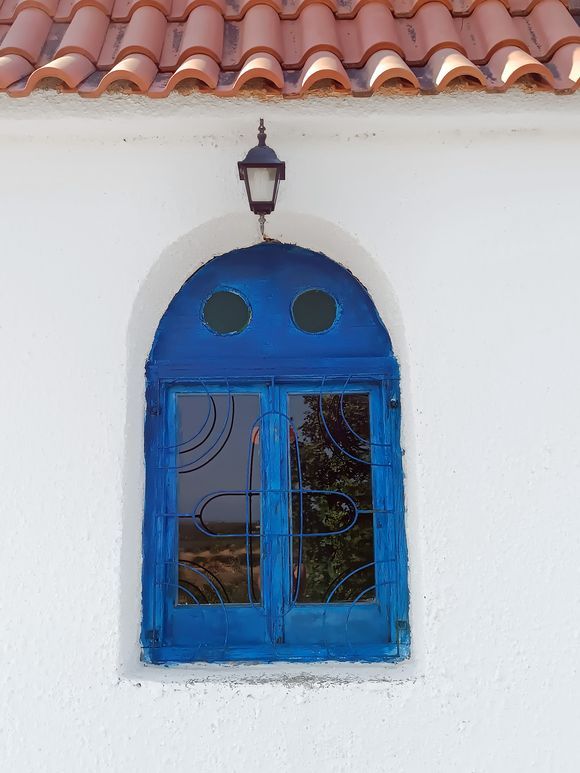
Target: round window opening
[226,312]
[314,311]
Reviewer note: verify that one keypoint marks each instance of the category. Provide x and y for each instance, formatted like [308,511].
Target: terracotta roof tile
[384,68]
[123,9]
[7,11]
[27,35]
[320,67]
[12,68]
[258,66]
[85,34]
[510,64]
[48,6]
[489,28]
[288,47]
[547,28]
[67,8]
[202,33]
[70,70]
[447,66]
[565,67]
[144,34]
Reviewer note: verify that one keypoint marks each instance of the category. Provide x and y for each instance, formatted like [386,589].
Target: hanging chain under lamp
[262,170]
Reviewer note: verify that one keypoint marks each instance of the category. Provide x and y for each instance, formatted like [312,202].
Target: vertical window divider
[275,514]
[286,521]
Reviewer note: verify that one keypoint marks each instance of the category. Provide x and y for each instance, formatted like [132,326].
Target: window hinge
[152,636]
[403,637]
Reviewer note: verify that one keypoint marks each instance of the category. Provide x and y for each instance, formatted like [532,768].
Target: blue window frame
[274,516]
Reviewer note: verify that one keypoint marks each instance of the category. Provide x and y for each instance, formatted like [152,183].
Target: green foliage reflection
[328,465]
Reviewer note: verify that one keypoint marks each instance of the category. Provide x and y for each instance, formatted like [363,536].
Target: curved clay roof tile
[431,29]
[510,64]
[239,8]
[181,9]
[321,66]
[489,28]
[548,27]
[203,33]
[137,69]
[123,10]
[385,66]
[260,30]
[70,69]
[200,67]
[85,34]
[263,66]
[27,35]
[8,11]
[316,29]
[145,34]
[565,67]
[48,6]
[12,69]
[405,9]
[293,8]
[522,7]
[447,65]
[373,30]
[68,8]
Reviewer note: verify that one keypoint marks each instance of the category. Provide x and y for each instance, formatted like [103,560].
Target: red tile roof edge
[288,47]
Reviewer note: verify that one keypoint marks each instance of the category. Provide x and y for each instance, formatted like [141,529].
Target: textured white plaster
[459,215]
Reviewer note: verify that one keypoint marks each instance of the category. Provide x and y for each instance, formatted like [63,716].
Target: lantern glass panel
[262,183]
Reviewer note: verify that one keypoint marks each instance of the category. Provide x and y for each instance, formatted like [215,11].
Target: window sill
[286,674]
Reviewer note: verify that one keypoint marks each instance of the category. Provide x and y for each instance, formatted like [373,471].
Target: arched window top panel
[273,309]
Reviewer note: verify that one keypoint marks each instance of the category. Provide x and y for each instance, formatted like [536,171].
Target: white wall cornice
[49,114]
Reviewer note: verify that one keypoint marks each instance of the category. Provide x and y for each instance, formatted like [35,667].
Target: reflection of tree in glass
[327,560]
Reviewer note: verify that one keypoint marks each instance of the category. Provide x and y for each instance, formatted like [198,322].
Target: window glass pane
[332,435]
[226,312]
[218,445]
[314,311]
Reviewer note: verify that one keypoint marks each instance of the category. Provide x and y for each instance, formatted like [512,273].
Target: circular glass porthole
[225,312]
[314,311]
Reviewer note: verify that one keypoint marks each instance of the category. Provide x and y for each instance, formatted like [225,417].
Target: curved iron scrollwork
[329,532]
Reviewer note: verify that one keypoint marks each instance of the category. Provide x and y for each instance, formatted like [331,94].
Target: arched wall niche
[159,285]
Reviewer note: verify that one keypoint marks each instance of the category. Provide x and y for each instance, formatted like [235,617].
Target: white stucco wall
[460,214]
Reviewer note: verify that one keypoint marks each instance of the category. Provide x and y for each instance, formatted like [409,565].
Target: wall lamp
[262,170]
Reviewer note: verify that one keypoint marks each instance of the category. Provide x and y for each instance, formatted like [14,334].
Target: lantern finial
[261,133]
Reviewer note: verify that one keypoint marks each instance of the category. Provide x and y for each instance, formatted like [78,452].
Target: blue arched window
[274,523]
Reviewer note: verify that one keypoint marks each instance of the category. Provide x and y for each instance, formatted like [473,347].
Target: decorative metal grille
[330,543]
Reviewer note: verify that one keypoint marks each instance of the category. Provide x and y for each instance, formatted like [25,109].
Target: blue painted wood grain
[272,357]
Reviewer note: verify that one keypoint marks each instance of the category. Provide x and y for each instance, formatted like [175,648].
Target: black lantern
[262,170]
